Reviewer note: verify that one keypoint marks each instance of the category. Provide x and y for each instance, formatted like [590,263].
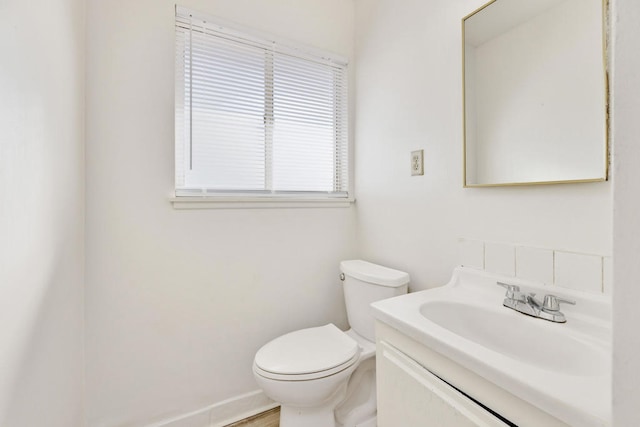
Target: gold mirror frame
[605,63]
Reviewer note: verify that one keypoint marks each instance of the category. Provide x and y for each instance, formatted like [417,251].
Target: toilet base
[312,416]
[306,417]
[371,422]
[359,409]
[352,405]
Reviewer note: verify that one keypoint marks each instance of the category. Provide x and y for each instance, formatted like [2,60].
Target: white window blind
[255,116]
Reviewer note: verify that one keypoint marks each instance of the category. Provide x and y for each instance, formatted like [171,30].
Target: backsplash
[579,271]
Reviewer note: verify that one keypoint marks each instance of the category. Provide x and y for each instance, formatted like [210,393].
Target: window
[257,117]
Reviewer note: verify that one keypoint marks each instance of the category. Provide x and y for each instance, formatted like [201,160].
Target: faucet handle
[552,302]
[511,289]
[531,299]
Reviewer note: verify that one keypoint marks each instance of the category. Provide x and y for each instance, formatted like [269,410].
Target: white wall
[409,97]
[41,212]
[626,207]
[177,302]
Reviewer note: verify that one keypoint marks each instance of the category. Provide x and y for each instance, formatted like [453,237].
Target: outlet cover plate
[417,164]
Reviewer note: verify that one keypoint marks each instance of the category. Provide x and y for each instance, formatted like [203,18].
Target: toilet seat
[307,354]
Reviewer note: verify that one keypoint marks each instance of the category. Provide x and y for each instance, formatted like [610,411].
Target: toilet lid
[307,351]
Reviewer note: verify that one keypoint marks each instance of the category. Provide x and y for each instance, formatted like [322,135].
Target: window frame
[184,198]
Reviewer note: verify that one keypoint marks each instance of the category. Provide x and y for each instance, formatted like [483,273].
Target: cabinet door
[411,396]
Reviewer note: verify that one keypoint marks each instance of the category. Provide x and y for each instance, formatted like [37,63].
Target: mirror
[535,93]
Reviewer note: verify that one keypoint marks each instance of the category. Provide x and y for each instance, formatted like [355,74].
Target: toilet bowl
[322,376]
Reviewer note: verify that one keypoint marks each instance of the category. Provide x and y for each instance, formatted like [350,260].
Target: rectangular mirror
[535,93]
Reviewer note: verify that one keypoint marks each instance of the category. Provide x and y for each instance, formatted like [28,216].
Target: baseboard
[239,408]
[222,413]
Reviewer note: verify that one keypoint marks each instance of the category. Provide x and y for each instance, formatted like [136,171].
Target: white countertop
[576,389]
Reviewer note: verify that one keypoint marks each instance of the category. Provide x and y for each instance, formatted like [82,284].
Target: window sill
[257,203]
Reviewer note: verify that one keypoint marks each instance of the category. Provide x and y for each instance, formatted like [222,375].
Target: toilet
[322,376]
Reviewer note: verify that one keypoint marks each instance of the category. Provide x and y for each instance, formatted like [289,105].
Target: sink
[521,337]
[563,369]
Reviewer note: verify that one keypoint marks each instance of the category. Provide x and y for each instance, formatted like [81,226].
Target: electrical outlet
[417,167]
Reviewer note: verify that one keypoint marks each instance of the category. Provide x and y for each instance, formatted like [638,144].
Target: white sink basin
[562,368]
[530,340]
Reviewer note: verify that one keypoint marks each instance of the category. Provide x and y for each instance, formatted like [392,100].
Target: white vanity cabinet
[413,396]
[418,387]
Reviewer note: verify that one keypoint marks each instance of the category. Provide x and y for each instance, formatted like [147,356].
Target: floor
[269,418]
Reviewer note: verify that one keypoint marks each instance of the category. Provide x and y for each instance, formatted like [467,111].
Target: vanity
[455,356]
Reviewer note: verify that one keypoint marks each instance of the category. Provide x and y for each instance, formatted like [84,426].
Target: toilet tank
[365,283]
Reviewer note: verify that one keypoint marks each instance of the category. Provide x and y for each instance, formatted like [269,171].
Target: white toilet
[324,377]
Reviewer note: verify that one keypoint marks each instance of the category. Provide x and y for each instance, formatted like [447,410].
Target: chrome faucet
[547,309]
